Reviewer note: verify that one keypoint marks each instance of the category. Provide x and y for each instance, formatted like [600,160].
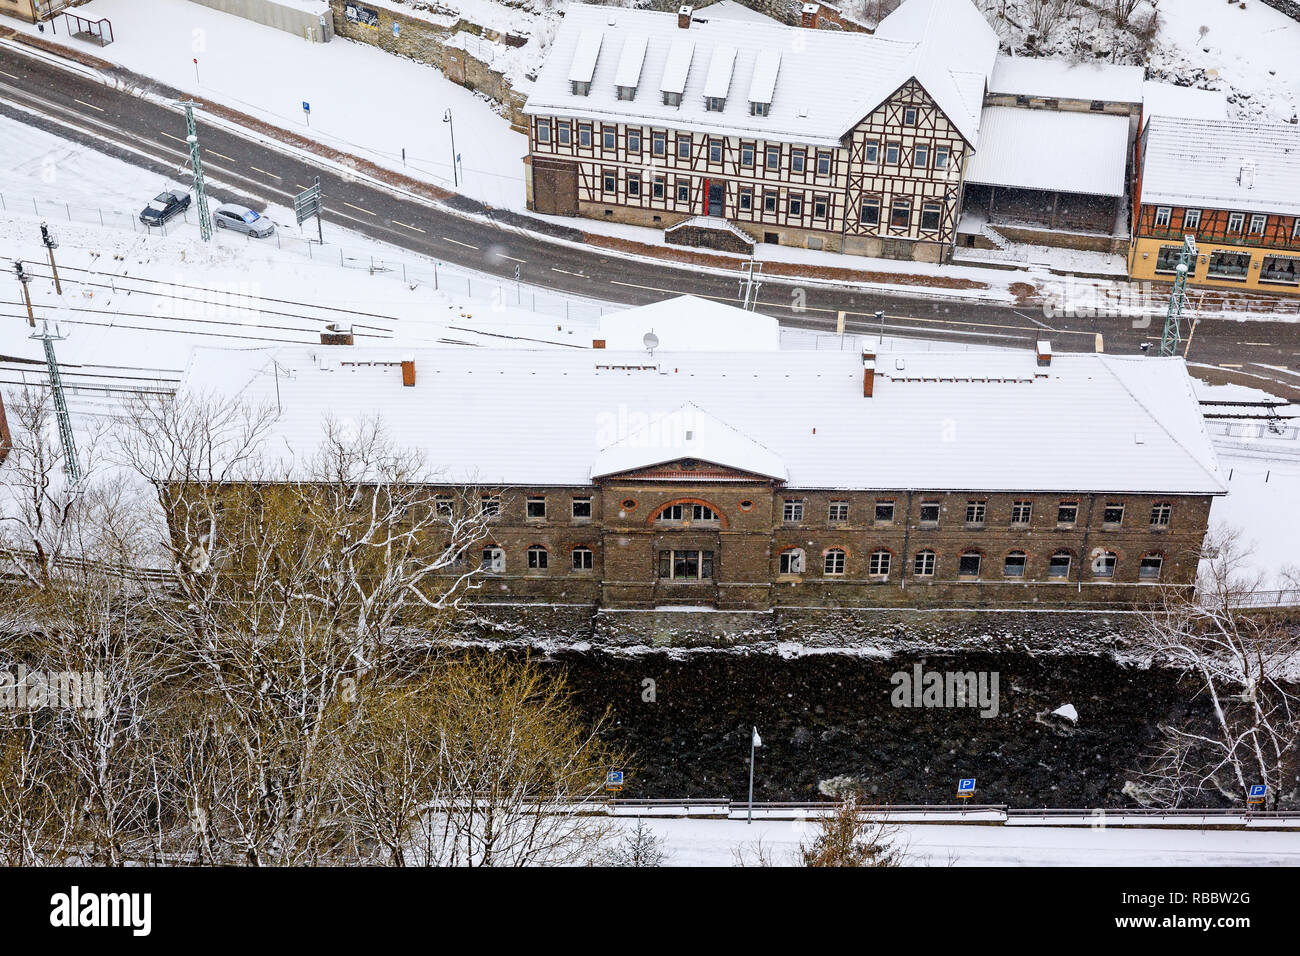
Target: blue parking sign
[1257,791]
[306,107]
[966,786]
[614,780]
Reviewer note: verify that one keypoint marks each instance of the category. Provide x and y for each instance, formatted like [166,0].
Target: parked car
[242,219]
[165,206]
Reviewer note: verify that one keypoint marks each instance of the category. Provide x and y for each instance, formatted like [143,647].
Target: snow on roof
[1060,79]
[630,62]
[687,323]
[956,28]
[1198,163]
[1046,149]
[731,10]
[1167,99]
[717,82]
[822,84]
[976,421]
[585,56]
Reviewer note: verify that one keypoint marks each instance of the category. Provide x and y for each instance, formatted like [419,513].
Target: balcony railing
[1244,239]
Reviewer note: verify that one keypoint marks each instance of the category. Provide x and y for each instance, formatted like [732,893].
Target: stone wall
[701,237]
[1290,7]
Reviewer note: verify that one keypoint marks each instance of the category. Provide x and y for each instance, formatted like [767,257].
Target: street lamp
[455,177]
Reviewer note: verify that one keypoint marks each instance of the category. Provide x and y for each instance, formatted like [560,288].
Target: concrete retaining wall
[298,20]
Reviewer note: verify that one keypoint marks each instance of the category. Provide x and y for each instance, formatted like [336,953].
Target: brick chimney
[408,370]
[336,334]
[597,343]
[1044,353]
[684,18]
[809,15]
[868,372]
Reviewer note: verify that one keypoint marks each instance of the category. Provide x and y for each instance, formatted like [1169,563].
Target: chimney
[684,18]
[868,372]
[597,343]
[336,334]
[1044,353]
[1247,178]
[809,14]
[408,370]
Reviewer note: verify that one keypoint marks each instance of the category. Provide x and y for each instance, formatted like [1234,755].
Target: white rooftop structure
[960,421]
[1222,164]
[1060,79]
[586,54]
[1063,151]
[630,62]
[822,83]
[1184,102]
[687,323]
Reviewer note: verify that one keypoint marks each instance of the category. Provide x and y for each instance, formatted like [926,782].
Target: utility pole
[455,174]
[1173,332]
[200,193]
[70,465]
[23,279]
[50,246]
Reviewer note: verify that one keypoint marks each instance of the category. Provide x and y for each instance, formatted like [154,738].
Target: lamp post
[754,742]
[455,176]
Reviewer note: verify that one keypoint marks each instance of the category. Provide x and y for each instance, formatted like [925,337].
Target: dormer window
[672,99]
[627,92]
[581,87]
[759,109]
[715,104]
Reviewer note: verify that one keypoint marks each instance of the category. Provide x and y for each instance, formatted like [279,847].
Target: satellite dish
[650,341]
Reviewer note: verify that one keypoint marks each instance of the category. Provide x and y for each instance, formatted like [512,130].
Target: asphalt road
[151,135]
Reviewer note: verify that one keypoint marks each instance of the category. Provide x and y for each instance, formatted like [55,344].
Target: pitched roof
[1168,99]
[1060,79]
[1065,150]
[820,83]
[1200,162]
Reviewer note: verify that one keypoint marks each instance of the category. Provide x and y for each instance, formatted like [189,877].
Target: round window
[628,504]
[747,505]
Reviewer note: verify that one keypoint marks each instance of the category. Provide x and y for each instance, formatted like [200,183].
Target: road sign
[306,107]
[307,204]
[966,787]
[614,780]
[1257,792]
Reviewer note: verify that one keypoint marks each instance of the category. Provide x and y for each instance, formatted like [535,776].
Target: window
[683,190]
[769,200]
[581,87]
[821,205]
[900,216]
[1257,224]
[747,154]
[909,116]
[489,506]
[834,562]
[1160,514]
[1235,221]
[584,559]
[794,204]
[1113,516]
[634,141]
[1163,214]
[582,508]
[1096,106]
[892,151]
[608,137]
[773,160]
[1022,100]
[792,561]
[683,146]
[1103,566]
[687,512]
[1229,265]
[746,198]
[584,134]
[1167,258]
[870,213]
[931,216]
[1295,228]
[923,564]
[969,565]
[1192,220]
[538,558]
[839,511]
[543,131]
[672,99]
[941,157]
[1067,512]
[884,512]
[1052,104]
[715,150]
[792,511]
[1285,269]
[797,158]
[535,507]
[823,162]
[872,150]
[443,506]
[493,560]
[686,565]
[759,109]
[658,143]
[657,187]
[975,512]
[1058,565]
[879,563]
[1021,512]
[563,134]
[633,184]
[929,513]
[627,92]
[609,181]
[715,104]
[1149,569]
[920,156]
[1013,566]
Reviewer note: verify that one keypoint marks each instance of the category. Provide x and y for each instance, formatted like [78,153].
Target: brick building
[750,479]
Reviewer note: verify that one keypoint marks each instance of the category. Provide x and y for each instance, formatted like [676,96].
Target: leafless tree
[848,837]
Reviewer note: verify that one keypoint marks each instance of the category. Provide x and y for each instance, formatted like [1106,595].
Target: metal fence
[454,280]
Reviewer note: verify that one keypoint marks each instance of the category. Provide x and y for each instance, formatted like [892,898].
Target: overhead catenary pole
[1173,332]
[23,279]
[50,246]
[70,465]
[200,192]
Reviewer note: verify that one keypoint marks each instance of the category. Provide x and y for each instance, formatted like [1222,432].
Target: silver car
[242,219]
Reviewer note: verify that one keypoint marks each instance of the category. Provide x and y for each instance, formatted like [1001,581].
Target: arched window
[1103,565]
[493,560]
[879,563]
[1151,566]
[924,563]
[584,559]
[792,561]
[538,558]
[834,562]
[969,565]
[687,511]
[1013,565]
[1058,565]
